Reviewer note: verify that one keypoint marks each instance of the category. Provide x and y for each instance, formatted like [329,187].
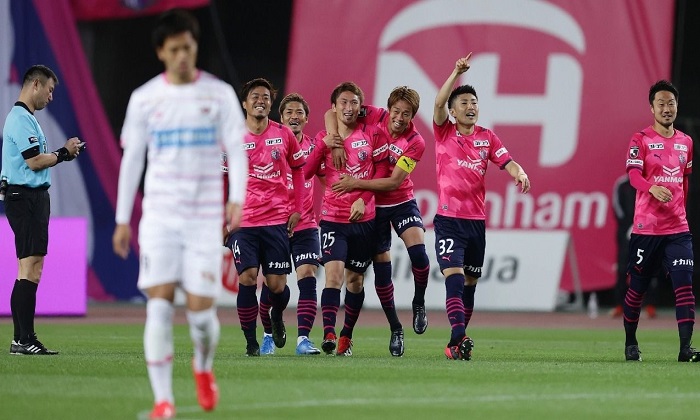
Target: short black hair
[294,97]
[347,87]
[173,22]
[255,83]
[662,86]
[41,72]
[460,90]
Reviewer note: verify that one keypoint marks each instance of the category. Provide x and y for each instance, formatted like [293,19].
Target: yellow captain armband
[406,163]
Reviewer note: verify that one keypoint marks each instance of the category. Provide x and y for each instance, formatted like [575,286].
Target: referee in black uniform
[25,180]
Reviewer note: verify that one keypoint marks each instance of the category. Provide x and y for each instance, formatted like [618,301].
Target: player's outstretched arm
[440,112]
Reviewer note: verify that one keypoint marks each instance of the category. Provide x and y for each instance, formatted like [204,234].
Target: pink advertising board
[63,287]
[564,84]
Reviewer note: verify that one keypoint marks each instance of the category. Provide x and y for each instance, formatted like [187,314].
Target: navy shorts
[460,243]
[266,246]
[306,247]
[649,253]
[348,242]
[401,217]
[27,211]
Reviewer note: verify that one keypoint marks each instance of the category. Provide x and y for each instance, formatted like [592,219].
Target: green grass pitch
[515,374]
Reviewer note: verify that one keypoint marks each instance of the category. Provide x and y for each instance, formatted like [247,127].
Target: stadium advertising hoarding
[563,84]
[63,288]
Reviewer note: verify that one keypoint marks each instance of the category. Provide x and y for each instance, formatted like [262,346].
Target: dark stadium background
[242,40]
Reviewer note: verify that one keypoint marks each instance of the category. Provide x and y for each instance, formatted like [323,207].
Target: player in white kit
[182,119]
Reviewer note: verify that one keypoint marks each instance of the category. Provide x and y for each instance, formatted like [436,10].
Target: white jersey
[184,128]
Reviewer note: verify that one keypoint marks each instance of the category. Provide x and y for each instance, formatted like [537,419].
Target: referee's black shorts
[27,211]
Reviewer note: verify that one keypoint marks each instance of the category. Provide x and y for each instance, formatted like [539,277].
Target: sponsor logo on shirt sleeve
[638,162]
[501,151]
[33,140]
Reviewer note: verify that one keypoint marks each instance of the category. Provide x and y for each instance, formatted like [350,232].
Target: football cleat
[34,347]
[207,391]
[396,343]
[279,334]
[633,354]
[689,354]
[344,346]
[252,349]
[461,351]
[268,345]
[420,319]
[14,347]
[305,347]
[328,344]
[163,410]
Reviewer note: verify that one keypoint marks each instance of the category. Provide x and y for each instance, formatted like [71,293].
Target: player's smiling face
[294,116]
[400,115]
[347,107]
[664,108]
[179,55]
[258,102]
[465,109]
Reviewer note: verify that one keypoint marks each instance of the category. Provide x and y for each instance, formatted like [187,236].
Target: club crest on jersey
[392,159]
[481,143]
[483,154]
[656,146]
[682,159]
[275,154]
[362,155]
[634,152]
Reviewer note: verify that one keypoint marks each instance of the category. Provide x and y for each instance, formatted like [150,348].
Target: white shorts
[188,255]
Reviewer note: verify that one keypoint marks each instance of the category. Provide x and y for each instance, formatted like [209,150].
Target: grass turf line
[515,373]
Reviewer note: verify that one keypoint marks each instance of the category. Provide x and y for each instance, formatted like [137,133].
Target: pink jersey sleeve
[373,115]
[415,146]
[498,154]
[636,153]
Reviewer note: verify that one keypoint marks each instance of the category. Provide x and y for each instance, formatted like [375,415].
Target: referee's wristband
[61,155]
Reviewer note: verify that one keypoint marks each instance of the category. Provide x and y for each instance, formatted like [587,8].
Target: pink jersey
[308,218]
[461,167]
[366,146]
[271,156]
[663,162]
[410,144]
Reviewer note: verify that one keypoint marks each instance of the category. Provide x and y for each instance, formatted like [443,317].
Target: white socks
[205,331]
[158,347]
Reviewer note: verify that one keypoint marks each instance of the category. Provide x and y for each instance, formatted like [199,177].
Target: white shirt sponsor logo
[656,146]
[501,151]
[272,142]
[681,147]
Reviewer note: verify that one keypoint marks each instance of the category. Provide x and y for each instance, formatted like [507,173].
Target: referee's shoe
[33,347]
